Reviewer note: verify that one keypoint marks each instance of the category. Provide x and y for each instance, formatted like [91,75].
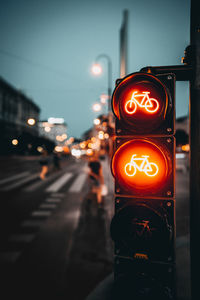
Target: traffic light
[143,104]
[143,166]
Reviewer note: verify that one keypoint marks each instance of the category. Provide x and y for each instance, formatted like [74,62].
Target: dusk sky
[48,46]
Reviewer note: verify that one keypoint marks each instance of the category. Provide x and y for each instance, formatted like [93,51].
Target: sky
[47,48]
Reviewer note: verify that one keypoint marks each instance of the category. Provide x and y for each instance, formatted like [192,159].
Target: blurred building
[182,123]
[55,129]
[19,117]
[182,131]
[103,130]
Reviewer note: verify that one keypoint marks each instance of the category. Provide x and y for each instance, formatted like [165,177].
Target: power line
[61,90]
[44,67]
[35,64]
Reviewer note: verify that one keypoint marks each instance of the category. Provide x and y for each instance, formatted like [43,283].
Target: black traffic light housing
[143,165]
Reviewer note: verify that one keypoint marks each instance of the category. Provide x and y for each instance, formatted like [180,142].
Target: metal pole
[109,77]
[195,151]
[124,45]
[109,84]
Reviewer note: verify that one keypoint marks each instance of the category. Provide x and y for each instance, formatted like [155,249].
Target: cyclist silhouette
[143,227]
[149,168]
[150,104]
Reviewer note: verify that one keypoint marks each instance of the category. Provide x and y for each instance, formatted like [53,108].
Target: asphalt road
[48,231]
[55,242]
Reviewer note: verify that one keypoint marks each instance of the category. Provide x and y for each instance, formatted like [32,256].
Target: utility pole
[124,45]
[195,149]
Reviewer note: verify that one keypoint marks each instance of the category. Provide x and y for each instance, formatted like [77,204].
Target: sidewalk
[90,259]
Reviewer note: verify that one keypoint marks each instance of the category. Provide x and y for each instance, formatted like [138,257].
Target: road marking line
[48,205]
[41,213]
[58,184]
[20,182]
[22,238]
[5,180]
[39,183]
[78,183]
[34,223]
[57,195]
[9,257]
[53,200]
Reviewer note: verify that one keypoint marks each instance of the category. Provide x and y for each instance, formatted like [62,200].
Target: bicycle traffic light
[143,166]
[143,104]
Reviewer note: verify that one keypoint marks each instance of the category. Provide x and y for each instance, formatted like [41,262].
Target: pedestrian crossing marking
[41,213]
[48,205]
[57,195]
[34,223]
[31,182]
[19,183]
[21,238]
[14,177]
[78,183]
[9,257]
[53,200]
[34,186]
[58,184]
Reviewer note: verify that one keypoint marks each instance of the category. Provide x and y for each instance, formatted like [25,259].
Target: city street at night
[99,150]
[47,245]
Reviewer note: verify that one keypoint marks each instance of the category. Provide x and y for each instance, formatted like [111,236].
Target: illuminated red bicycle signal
[141,166]
[142,104]
[149,168]
[151,105]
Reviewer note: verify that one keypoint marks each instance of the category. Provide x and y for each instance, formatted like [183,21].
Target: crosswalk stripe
[39,183]
[19,183]
[57,195]
[58,184]
[22,238]
[53,200]
[48,205]
[34,223]
[9,257]
[41,213]
[78,183]
[17,176]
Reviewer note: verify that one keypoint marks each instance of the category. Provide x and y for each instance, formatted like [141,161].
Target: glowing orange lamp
[142,104]
[141,167]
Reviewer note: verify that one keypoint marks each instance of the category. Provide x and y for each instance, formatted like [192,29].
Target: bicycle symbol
[150,104]
[149,168]
[142,228]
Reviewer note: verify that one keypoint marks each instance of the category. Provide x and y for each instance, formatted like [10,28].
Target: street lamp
[97,70]
[96,107]
[15,142]
[31,121]
[103,98]
[96,121]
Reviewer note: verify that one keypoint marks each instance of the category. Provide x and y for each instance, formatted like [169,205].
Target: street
[98,95]
[55,242]
[42,226]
